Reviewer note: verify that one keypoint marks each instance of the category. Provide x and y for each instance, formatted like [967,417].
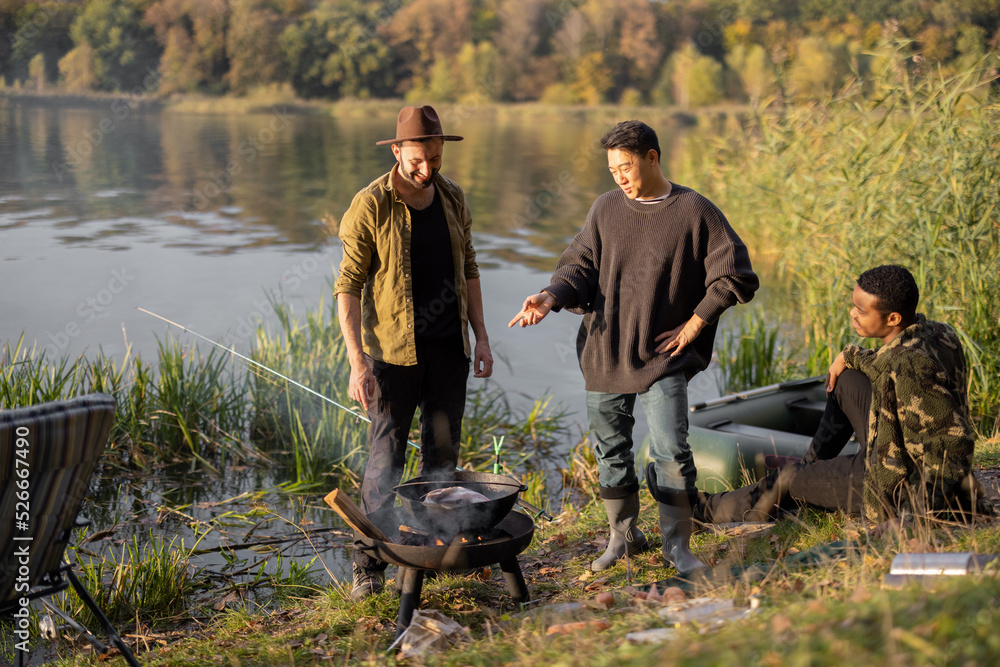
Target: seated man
[908,405]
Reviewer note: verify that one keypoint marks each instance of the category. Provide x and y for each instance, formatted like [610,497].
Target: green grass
[827,614]
[152,580]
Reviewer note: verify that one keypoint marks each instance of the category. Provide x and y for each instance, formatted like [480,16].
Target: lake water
[198,217]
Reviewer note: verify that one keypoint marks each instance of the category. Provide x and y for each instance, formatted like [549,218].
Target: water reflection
[203,214]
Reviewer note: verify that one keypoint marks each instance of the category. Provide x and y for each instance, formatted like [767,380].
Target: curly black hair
[633,136]
[894,288]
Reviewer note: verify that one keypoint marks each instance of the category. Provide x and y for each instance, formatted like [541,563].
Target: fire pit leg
[515,580]
[409,599]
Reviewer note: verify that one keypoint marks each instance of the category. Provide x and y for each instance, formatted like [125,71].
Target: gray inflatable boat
[732,436]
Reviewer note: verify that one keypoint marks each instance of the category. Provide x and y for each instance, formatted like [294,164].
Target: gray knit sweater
[637,270]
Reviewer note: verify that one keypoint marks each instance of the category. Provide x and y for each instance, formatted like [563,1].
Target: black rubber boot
[625,535]
[675,524]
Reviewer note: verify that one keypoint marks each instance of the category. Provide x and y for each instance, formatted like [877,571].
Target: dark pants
[822,479]
[436,384]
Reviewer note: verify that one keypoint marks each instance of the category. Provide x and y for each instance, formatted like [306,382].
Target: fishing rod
[252,362]
[231,350]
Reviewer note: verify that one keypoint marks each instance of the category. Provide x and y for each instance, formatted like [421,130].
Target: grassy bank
[265,99]
[827,612]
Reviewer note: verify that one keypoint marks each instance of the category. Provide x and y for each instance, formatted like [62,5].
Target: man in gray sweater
[653,268]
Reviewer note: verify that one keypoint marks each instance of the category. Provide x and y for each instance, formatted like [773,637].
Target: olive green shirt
[375,233]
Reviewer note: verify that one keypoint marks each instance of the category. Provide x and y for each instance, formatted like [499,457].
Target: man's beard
[420,185]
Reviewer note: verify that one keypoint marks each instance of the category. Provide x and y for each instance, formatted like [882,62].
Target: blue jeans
[665,405]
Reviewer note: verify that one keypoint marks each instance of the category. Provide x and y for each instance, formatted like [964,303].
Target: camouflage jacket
[920,433]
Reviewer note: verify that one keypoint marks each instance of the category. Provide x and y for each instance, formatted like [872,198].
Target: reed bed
[900,169]
[754,353]
[208,410]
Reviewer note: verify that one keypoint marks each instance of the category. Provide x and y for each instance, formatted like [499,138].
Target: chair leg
[89,601]
[71,622]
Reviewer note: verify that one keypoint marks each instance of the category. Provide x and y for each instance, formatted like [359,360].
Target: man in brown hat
[407,292]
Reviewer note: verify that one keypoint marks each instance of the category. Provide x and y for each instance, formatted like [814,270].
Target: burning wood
[417,537]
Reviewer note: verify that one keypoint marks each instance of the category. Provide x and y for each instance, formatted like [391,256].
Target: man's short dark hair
[633,136]
[895,289]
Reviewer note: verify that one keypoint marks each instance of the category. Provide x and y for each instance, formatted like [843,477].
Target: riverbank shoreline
[264,101]
[835,605]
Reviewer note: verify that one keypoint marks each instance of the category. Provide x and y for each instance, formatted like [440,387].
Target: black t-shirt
[435,295]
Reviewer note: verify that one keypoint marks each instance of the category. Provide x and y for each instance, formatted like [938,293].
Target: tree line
[686,52]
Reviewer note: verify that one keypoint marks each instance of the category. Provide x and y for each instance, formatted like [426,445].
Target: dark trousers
[436,385]
[822,479]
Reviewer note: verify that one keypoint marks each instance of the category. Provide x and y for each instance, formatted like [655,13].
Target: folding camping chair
[48,453]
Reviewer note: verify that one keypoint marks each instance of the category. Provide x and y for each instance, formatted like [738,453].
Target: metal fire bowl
[456,556]
[448,521]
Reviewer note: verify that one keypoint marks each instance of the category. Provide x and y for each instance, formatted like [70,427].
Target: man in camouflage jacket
[908,405]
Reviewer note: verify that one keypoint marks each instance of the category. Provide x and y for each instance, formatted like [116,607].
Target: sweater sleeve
[729,277]
[859,358]
[575,280]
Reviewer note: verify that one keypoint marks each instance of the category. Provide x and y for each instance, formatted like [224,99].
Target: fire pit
[416,553]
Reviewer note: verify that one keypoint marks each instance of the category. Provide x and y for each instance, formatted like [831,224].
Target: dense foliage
[686,52]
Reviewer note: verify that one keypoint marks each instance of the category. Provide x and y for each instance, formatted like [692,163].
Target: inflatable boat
[731,436]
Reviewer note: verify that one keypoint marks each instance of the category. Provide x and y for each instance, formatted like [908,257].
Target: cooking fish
[453,496]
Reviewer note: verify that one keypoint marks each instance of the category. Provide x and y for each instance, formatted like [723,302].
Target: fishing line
[256,364]
[252,362]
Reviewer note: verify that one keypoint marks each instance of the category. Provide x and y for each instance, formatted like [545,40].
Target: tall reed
[321,437]
[150,579]
[754,354]
[907,174]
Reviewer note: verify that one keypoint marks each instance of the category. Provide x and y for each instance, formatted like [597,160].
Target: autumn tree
[523,29]
[192,34]
[476,73]
[817,70]
[41,36]
[123,47]
[253,44]
[641,45]
[76,70]
[697,79]
[755,71]
[426,36]
[338,50]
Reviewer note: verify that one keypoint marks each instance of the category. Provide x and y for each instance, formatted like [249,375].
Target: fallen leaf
[221,604]
[580,626]
[781,623]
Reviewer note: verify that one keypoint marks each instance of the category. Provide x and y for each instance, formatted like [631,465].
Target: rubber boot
[675,525]
[625,535]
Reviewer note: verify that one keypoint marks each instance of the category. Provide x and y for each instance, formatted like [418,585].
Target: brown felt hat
[416,123]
